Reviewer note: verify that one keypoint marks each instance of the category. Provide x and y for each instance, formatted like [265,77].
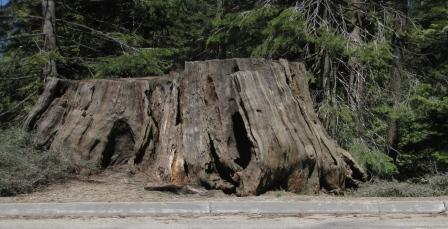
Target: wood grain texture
[245,126]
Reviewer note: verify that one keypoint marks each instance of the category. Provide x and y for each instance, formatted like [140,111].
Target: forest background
[378,70]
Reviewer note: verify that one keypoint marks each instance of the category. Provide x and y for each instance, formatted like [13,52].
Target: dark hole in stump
[120,145]
[279,183]
[243,143]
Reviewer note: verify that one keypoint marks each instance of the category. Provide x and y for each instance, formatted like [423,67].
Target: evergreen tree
[377,68]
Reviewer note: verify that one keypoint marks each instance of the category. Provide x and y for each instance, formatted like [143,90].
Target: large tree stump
[244,126]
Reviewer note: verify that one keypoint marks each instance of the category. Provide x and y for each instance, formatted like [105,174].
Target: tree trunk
[355,78]
[396,88]
[245,126]
[219,15]
[49,31]
[397,77]
[219,8]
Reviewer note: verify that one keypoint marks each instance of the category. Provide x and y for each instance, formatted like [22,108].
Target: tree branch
[20,78]
[6,113]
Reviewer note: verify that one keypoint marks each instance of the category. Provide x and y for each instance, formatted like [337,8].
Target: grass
[24,167]
[436,185]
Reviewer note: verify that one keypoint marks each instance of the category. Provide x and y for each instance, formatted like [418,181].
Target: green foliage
[344,120]
[424,115]
[19,79]
[143,63]
[240,32]
[275,32]
[373,160]
[175,24]
[24,168]
[284,35]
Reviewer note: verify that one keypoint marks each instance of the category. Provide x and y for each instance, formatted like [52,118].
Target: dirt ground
[118,186]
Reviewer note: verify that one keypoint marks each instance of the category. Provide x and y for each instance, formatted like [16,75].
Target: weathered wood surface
[245,126]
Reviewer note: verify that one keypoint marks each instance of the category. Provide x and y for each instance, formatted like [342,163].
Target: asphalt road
[234,222]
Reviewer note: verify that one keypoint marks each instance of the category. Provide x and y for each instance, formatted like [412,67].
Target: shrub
[436,185]
[374,161]
[23,167]
[439,184]
[145,62]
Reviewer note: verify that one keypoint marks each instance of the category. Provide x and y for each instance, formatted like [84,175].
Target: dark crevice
[179,111]
[279,184]
[237,83]
[211,96]
[186,168]
[311,167]
[223,171]
[287,80]
[209,168]
[141,152]
[323,184]
[120,145]
[209,79]
[148,93]
[107,154]
[206,184]
[46,145]
[243,143]
[350,183]
[95,143]
[60,91]
[236,68]
[89,124]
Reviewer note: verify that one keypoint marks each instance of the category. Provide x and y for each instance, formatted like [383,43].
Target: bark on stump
[245,126]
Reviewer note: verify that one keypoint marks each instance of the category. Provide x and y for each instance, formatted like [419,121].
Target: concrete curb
[220,208]
[103,209]
[327,207]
